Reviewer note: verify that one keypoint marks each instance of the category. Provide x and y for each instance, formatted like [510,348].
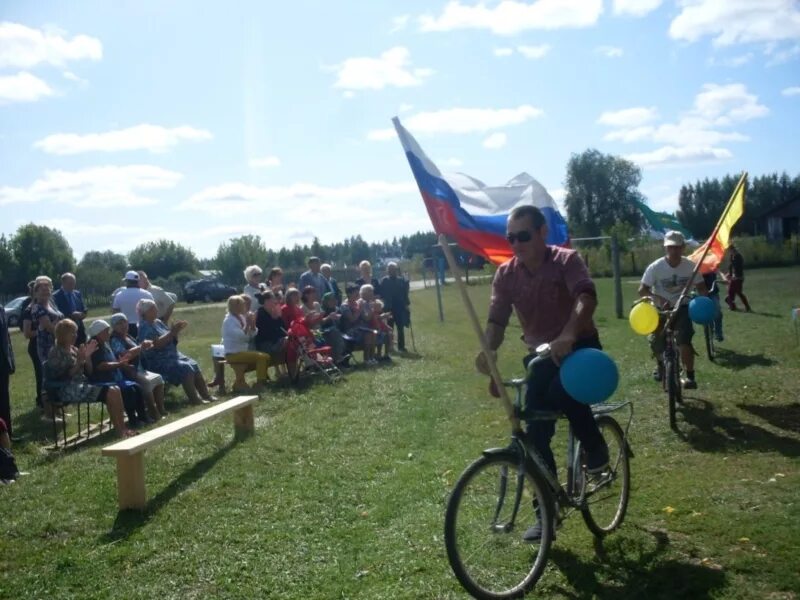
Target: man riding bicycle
[554,298]
[664,280]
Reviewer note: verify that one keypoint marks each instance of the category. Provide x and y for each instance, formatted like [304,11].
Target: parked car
[207,290]
[14,311]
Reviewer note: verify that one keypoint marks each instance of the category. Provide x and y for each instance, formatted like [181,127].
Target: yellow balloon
[643,318]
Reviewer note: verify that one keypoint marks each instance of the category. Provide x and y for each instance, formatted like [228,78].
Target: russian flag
[473,214]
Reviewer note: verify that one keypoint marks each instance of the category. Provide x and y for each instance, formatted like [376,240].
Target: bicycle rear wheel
[607,494]
[491,505]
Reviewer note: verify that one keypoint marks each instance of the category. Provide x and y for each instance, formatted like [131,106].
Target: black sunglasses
[520,236]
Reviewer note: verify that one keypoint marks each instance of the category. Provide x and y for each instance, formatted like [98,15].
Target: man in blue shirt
[69,301]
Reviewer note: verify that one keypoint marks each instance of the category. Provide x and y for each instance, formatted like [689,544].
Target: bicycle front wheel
[493,503]
[708,331]
[672,373]
[607,494]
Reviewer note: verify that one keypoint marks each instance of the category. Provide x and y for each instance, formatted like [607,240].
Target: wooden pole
[617,276]
[473,317]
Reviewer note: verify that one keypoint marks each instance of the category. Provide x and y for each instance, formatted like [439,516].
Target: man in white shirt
[164,301]
[127,298]
[664,280]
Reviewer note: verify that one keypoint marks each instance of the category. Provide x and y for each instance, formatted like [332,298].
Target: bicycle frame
[564,495]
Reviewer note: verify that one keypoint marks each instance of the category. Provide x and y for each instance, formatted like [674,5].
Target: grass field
[341,492]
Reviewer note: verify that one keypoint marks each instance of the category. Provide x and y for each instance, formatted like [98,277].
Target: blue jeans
[545,392]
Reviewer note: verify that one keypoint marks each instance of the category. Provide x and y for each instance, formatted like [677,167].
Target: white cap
[131,276]
[674,238]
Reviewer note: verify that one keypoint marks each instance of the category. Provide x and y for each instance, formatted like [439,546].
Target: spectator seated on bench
[271,335]
[104,369]
[66,382]
[163,356]
[354,325]
[124,347]
[238,335]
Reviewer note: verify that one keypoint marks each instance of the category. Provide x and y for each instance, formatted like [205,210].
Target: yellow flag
[734,213]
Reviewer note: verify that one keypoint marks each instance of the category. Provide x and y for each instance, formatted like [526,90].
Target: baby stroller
[310,357]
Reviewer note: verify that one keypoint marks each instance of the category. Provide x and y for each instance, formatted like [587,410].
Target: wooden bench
[129,452]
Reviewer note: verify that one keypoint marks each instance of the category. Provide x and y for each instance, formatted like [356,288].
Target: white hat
[131,276]
[674,238]
[97,326]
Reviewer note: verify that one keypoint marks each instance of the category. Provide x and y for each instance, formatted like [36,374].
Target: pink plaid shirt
[543,300]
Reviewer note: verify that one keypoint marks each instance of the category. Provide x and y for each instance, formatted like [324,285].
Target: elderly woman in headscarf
[163,357]
[126,349]
[107,370]
[252,276]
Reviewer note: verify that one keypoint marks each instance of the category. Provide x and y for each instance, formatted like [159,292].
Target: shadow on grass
[620,573]
[733,360]
[785,416]
[128,521]
[710,432]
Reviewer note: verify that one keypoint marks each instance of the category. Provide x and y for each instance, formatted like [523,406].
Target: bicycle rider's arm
[500,308]
[579,320]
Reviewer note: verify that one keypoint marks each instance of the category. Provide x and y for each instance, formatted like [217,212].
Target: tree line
[601,191]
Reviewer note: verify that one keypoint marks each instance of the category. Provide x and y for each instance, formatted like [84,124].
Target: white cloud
[628,117]
[791,91]
[300,202]
[72,77]
[731,22]
[495,141]
[264,162]
[635,8]
[24,47]
[697,134]
[503,51]
[534,52]
[732,61]
[390,69]
[22,87]
[452,162]
[95,187]
[778,57]
[672,156]
[726,104]
[610,51]
[153,138]
[405,107]
[399,23]
[510,17]
[462,120]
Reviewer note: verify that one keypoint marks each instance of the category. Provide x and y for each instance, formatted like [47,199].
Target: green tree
[39,250]
[601,189]
[8,267]
[111,261]
[236,254]
[162,258]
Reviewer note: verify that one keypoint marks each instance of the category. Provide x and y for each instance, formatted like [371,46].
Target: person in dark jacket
[394,291]
[70,303]
[736,279]
[7,368]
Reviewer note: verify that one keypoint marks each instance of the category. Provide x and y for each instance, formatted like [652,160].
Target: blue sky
[130,121]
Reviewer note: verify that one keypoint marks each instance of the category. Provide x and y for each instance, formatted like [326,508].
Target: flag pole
[473,317]
[707,246]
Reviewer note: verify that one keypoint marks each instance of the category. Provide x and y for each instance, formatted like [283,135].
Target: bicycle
[709,329]
[669,367]
[512,485]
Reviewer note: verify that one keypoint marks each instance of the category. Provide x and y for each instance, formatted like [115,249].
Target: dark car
[14,311]
[207,290]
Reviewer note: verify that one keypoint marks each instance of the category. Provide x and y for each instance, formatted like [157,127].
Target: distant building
[782,222]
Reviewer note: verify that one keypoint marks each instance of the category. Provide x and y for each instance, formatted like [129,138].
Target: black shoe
[597,460]
[689,384]
[385,359]
[534,533]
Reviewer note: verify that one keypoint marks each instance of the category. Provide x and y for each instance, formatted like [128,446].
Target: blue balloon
[702,310]
[589,375]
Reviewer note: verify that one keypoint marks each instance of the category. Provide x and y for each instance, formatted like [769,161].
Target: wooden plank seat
[131,492]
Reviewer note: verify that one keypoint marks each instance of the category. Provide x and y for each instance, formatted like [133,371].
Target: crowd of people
[126,361]
[258,329]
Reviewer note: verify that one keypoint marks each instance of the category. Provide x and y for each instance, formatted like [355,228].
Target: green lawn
[341,492]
